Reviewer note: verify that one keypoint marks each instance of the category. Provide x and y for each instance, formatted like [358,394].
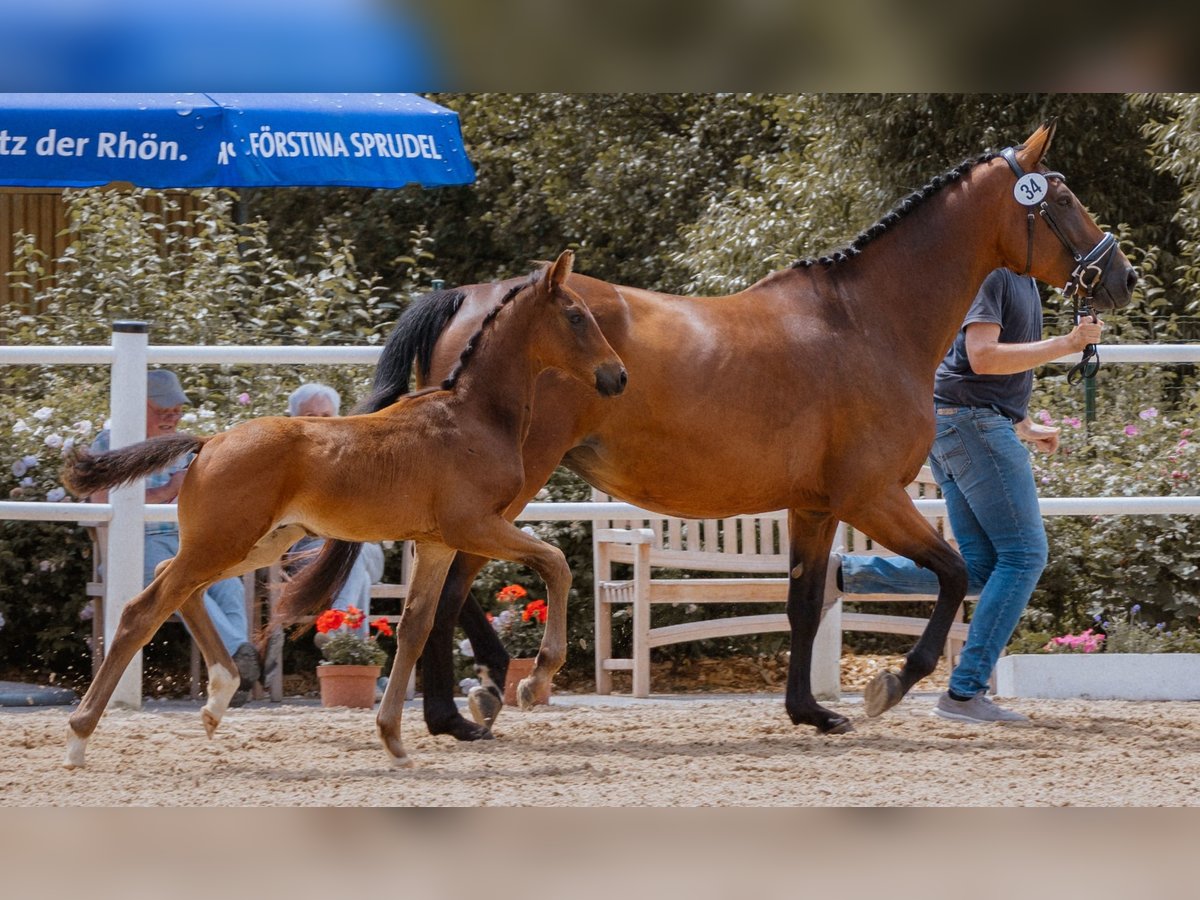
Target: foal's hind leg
[223,679]
[142,616]
[411,634]
[811,537]
[893,521]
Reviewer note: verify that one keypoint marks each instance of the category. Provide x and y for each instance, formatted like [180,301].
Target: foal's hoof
[484,706]
[76,747]
[884,692]
[836,725]
[210,721]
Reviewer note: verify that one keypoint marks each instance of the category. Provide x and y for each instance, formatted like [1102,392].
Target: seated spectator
[315,399]
[224,600]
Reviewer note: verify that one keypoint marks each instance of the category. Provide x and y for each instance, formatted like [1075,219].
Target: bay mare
[811,390]
[439,466]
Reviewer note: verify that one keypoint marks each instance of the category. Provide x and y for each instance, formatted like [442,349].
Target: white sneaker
[979,710]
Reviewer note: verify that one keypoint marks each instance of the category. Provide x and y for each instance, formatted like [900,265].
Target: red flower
[535,609]
[382,624]
[511,593]
[354,618]
[330,620]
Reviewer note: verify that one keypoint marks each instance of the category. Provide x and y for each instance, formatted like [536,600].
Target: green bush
[199,278]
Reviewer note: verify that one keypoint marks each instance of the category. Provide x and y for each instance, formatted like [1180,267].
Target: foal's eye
[575,317]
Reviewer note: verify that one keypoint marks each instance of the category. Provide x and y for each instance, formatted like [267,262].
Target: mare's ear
[1037,145]
[560,269]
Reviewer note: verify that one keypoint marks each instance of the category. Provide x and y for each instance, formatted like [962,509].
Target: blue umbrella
[229,140]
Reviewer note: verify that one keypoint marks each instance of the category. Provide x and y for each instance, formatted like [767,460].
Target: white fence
[131,354]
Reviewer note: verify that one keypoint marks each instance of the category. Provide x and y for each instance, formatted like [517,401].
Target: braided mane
[473,343]
[902,209]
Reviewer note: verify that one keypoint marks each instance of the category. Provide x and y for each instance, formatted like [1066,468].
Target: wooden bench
[262,590]
[752,546]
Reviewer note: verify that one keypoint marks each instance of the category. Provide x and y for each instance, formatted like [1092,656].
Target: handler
[981,394]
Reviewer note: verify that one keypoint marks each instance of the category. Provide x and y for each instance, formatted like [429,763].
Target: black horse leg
[437,660]
[811,539]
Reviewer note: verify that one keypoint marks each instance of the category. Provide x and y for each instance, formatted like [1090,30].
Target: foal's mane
[902,209]
[473,343]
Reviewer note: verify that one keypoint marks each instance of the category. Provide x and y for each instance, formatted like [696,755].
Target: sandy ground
[695,751]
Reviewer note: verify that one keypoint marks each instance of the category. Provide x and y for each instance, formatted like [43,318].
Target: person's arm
[990,357]
[164,494]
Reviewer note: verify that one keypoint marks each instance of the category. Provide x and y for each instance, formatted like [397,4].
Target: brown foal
[439,467]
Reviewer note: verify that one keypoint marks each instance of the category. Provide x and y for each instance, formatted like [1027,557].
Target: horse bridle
[1089,267]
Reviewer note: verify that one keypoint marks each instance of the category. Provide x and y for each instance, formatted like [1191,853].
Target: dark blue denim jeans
[987,480]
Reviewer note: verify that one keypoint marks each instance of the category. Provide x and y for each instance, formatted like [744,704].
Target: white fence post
[126,534]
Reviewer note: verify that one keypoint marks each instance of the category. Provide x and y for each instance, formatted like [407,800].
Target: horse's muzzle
[611,380]
[1115,290]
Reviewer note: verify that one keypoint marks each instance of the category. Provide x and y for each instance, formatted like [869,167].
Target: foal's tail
[412,340]
[85,473]
[311,590]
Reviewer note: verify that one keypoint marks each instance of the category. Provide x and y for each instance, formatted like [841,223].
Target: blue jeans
[986,478]
[224,600]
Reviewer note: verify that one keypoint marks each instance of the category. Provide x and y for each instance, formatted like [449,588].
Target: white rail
[130,355]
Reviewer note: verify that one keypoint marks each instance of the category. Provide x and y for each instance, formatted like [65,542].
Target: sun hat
[163,388]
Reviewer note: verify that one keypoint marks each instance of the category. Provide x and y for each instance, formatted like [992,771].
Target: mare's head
[1047,233]
[565,335]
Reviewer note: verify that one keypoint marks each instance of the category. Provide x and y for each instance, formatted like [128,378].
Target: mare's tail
[412,340]
[313,587]
[85,473]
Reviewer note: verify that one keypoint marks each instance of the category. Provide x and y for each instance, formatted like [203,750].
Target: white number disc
[1030,189]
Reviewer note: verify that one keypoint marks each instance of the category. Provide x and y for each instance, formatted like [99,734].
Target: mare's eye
[575,317]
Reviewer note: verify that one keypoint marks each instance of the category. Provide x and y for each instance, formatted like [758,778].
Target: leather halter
[1089,267]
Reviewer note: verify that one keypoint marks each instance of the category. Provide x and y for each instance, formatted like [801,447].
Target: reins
[1031,192]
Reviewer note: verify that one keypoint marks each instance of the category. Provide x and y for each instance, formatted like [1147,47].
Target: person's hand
[1043,437]
[1086,332]
[169,491]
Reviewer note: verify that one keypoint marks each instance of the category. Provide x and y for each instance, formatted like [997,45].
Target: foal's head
[1048,233]
[564,335]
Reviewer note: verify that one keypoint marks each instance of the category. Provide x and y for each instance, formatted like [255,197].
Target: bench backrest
[750,544]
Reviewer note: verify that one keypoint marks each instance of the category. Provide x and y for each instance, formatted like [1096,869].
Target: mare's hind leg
[142,616]
[500,539]
[893,521]
[433,561]
[811,537]
[437,663]
[223,678]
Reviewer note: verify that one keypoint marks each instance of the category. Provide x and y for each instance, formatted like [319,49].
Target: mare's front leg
[811,537]
[893,521]
[140,619]
[500,539]
[429,572]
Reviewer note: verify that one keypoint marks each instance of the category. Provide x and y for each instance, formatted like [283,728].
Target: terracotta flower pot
[352,686]
[518,669]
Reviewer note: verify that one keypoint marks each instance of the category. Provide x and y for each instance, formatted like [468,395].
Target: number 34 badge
[1030,189]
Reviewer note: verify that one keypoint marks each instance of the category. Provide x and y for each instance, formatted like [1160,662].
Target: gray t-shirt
[1012,302]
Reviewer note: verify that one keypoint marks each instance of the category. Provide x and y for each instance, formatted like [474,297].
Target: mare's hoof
[485,706]
[462,730]
[836,725]
[884,692]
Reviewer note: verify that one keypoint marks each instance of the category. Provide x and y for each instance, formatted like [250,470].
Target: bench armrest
[623,536]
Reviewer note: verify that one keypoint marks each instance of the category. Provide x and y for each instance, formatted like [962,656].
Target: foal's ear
[560,269]
[1037,145]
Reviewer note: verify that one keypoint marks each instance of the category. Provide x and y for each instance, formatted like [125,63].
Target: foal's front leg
[501,539]
[429,572]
